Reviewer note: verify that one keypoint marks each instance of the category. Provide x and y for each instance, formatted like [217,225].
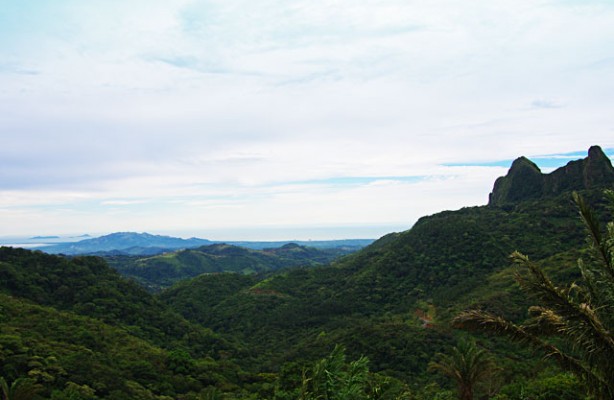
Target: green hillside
[394,296]
[87,286]
[163,270]
[376,302]
[367,325]
[79,330]
[76,357]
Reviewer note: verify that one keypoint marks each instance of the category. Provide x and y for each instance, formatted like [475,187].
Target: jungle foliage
[571,324]
[366,326]
[163,270]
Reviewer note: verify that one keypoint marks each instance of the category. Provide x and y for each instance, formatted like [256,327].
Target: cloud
[122,202]
[545,103]
[278,110]
[16,69]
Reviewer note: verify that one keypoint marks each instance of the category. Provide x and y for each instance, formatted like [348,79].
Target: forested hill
[75,327]
[377,301]
[439,261]
[163,270]
[88,286]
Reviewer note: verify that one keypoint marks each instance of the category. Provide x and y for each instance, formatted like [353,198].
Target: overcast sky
[311,118]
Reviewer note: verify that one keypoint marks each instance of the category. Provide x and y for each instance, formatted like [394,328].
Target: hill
[390,299]
[364,297]
[76,357]
[129,242]
[76,326]
[146,244]
[229,335]
[88,286]
[163,270]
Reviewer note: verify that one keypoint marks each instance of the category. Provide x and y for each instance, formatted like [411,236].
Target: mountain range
[132,243]
[82,331]
[163,270]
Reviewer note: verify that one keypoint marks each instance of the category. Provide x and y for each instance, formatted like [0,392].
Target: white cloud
[222,105]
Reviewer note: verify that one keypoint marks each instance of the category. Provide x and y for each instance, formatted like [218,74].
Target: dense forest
[407,317]
[163,270]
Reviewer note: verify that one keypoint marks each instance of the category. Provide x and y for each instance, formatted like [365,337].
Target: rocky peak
[598,168]
[525,181]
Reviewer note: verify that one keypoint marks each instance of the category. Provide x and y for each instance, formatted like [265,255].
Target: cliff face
[525,181]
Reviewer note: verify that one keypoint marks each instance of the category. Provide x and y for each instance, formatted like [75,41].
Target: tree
[573,324]
[467,365]
[74,391]
[20,389]
[332,378]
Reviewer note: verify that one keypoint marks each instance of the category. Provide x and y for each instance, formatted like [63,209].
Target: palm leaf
[579,315]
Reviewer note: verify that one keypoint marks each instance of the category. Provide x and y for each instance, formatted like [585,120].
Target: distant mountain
[140,244]
[525,181]
[376,301]
[137,251]
[163,270]
[346,244]
[125,241]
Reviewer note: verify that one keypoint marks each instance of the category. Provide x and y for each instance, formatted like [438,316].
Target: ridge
[525,181]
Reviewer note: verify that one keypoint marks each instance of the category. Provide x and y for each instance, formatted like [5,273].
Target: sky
[315,119]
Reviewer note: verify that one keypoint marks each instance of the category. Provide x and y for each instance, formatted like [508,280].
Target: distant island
[132,243]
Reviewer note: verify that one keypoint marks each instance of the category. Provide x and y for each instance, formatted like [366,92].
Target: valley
[219,321]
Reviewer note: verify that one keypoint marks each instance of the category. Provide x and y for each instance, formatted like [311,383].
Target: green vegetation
[468,366]
[20,389]
[114,340]
[332,378]
[282,326]
[231,333]
[87,286]
[162,271]
[571,324]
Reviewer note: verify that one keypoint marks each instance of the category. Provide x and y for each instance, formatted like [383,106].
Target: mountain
[525,181]
[81,331]
[163,270]
[131,243]
[88,286]
[392,301]
[77,327]
[368,300]
[126,241]
[348,245]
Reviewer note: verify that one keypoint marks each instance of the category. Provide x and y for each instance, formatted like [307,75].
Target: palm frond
[478,320]
[467,365]
[579,315]
[601,248]
[578,320]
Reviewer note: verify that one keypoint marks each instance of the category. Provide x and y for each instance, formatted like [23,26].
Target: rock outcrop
[525,181]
